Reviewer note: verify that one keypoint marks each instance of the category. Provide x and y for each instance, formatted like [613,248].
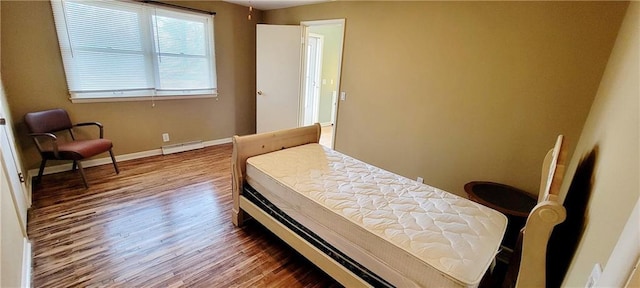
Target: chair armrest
[50,137]
[94,124]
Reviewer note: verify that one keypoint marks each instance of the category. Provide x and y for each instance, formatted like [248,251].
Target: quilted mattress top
[449,233]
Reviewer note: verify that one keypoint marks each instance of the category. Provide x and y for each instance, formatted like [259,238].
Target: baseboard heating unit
[181,147]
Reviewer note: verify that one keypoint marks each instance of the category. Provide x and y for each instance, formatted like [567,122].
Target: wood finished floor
[164,221]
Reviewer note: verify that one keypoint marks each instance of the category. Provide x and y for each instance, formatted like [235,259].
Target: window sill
[139,98]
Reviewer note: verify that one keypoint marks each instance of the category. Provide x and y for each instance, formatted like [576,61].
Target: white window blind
[113,49]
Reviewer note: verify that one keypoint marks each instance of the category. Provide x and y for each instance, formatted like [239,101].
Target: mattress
[408,233]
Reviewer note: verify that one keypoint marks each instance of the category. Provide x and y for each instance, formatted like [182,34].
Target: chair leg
[75,164]
[84,178]
[113,159]
[41,171]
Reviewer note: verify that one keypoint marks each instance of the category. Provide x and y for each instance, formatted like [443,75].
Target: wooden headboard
[545,215]
[258,144]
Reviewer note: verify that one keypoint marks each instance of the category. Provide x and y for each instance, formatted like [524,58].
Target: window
[114,49]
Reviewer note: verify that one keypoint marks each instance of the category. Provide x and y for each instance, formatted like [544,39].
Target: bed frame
[548,213]
[258,144]
[540,223]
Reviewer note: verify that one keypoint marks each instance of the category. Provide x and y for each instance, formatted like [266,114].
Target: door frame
[315,97]
[335,105]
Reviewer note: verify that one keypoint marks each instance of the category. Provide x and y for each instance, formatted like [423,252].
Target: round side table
[513,202]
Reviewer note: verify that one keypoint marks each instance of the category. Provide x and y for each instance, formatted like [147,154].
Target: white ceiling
[273,4]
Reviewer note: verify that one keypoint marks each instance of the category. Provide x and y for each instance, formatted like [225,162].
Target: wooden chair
[43,126]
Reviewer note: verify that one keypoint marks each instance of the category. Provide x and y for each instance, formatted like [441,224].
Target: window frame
[151,55]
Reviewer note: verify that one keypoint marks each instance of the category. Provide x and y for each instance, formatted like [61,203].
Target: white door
[13,255]
[14,202]
[10,160]
[278,66]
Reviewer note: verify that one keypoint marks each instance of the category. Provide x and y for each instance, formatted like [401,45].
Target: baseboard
[26,264]
[217,142]
[182,147]
[107,160]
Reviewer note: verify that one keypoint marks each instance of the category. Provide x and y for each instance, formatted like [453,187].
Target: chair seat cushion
[79,149]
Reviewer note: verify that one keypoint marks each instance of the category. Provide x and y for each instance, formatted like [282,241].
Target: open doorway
[313,73]
[321,82]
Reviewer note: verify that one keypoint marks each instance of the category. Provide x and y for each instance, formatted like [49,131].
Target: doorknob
[259,92]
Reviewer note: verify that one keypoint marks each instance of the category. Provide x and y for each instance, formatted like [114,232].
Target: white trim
[217,142]
[106,160]
[140,98]
[149,53]
[318,73]
[623,259]
[182,147]
[95,162]
[26,264]
[336,103]
[322,22]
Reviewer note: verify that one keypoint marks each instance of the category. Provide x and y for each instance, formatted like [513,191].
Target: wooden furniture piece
[258,144]
[510,201]
[44,125]
[331,196]
[548,213]
[243,208]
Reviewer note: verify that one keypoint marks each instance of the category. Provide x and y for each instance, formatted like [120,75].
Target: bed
[362,225]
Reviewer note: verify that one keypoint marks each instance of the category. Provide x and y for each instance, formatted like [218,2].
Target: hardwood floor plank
[164,221]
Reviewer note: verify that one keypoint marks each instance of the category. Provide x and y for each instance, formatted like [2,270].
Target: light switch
[343,96]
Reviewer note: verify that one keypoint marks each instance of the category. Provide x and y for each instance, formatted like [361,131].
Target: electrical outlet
[596,272]
[165,137]
[420,179]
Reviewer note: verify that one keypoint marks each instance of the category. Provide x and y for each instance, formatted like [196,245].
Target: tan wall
[613,126]
[462,91]
[34,80]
